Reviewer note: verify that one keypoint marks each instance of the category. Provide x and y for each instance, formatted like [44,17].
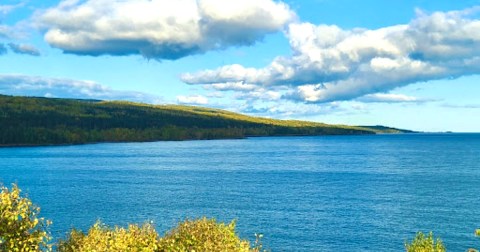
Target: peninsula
[30,121]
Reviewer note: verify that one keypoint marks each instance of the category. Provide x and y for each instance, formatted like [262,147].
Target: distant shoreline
[37,121]
[187,140]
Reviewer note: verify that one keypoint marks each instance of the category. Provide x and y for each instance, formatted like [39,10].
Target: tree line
[44,121]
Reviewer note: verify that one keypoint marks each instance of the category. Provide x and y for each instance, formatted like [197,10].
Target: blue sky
[408,64]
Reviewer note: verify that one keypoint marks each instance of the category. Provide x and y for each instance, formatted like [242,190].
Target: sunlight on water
[331,193]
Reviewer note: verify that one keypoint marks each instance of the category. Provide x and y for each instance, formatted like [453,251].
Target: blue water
[334,193]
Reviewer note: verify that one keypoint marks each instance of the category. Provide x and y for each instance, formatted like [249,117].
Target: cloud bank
[159,29]
[332,64]
[24,49]
[24,85]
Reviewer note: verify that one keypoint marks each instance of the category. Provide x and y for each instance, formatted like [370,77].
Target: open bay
[330,193]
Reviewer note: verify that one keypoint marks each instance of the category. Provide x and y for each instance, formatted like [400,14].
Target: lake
[329,193]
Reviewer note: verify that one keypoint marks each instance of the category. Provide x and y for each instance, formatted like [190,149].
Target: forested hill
[387,130]
[46,121]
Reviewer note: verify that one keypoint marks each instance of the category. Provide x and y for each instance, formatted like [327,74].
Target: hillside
[387,130]
[47,121]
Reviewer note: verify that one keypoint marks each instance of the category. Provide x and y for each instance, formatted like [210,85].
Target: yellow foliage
[20,227]
[22,230]
[203,235]
[192,235]
[422,243]
[101,238]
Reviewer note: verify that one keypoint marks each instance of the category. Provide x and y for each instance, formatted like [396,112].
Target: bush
[102,238]
[22,230]
[20,227]
[203,235]
[422,243]
[192,235]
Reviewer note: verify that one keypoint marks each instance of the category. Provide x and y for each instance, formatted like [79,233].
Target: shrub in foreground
[22,230]
[203,235]
[20,227]
[422,243]
[102,238]
[192,235]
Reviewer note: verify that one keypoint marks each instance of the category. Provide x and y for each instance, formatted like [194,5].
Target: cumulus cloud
[331,64]
[24,85]
[24,49]
[159,29]
[192,99]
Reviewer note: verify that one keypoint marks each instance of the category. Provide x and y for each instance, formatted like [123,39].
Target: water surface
[332,193]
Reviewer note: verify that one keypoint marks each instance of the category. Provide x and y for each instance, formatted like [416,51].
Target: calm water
[336,193]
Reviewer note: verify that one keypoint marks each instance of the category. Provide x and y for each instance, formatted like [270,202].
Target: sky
[411,64]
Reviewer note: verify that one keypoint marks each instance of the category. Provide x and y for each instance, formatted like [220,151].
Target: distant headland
[32,121]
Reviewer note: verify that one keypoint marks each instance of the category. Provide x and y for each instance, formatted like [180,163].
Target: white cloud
[259,94]
[159,29]
[292,110]
[232,86]
[14,32]
[331,64]
[389,98]
[24,49]
[192,99]
[24,85]
[5,31]
[6,9]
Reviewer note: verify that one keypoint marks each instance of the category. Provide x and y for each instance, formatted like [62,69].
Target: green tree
[20,227]
[422,243]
